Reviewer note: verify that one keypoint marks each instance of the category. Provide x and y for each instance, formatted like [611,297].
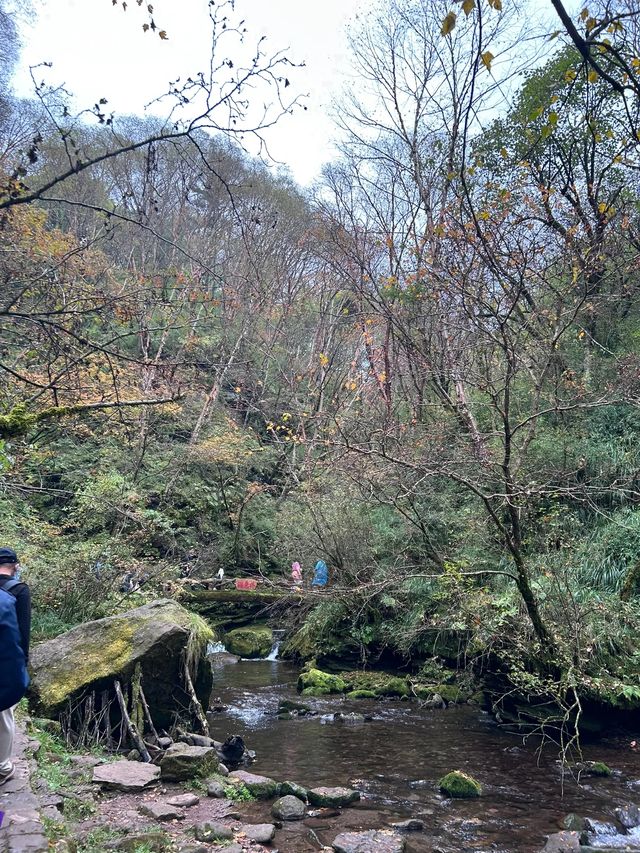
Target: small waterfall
[215,648]
[278,634]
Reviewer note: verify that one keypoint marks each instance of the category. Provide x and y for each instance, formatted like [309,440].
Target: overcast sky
[99,50]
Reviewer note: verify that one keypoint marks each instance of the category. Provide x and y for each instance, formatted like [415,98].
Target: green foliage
[239,793]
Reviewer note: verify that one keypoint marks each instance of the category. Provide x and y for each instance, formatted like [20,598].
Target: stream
[395,760]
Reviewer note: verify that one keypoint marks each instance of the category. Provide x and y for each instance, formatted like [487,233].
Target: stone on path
[411,825]
[129,776]
[261,833]
[261,787]
[215,789]
[161,811]
[288,808]
[563,842]
[181,762]
[213,831]
[130,843]
[184,800]
[333,797]
[371,841]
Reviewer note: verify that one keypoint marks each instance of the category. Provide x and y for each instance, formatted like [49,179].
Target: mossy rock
[460,785]
[318,683]
[378,683]
[451,693]
[89,658]
[597,768]
[362,694]
[393,687]
[261,787]
[253,642]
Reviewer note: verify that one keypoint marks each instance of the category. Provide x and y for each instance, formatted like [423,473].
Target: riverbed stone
[184,800]
[130,776]
[371,841]
[260,833]
[459,785]
[563,842]
[333,797]
[261,787]
[212,831]
[288,808]
[294,789]
[411,825]
[628,815]
[314,682]
[182,761]
[161,811]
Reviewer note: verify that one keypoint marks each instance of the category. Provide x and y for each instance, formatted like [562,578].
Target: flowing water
[396,759]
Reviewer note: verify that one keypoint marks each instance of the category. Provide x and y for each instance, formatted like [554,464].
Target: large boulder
[249,642]
[90,657]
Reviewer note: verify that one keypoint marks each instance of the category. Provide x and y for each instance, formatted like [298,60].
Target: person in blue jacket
[15,628]
[320,574]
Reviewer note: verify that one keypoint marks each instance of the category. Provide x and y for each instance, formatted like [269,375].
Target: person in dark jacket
[9,573]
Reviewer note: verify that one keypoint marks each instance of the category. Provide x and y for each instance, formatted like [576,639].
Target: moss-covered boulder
[451,693]
[255,642]
[372,684]
[151,640]
[460,785]
[318,683]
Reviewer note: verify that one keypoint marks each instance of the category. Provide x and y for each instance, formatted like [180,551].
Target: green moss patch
[249,642]
[318,683]
[460,785]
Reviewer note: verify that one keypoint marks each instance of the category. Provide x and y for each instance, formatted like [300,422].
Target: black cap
[8,555]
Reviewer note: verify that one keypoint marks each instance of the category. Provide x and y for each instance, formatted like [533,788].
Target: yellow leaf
[602,207]
[592,77]
[584,14]
[487,58]
[468,6]
[496,4]
[448,24]
[504,153]
[591,22]
[570,76]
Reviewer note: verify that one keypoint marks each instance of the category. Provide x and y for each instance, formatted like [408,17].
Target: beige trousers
[7,730]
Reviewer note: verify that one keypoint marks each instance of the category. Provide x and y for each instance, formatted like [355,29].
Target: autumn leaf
[468,6]
[163,35]
[496,4]
[448,24]
[592,77]
[487,58]
[145,27]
